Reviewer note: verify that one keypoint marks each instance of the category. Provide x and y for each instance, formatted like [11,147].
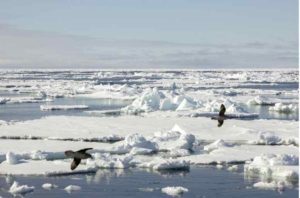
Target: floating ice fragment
[174,190]
[62,107]
[49,186]
[20,189]
[72,188]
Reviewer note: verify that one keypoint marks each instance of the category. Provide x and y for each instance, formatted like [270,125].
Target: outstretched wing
[222,110]
[75,163]
[220,123]
[84,150]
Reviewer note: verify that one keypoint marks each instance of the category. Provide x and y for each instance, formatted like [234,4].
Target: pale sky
[198,34]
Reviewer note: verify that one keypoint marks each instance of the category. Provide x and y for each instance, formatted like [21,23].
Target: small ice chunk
[174,190]
[11,158]
[146,189]
[270,186]
[233,168]
[20,189]
[49,186]
[72,188]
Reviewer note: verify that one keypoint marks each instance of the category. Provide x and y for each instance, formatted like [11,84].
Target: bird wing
[75,163]
[83,150]
[220,123]
[222,110]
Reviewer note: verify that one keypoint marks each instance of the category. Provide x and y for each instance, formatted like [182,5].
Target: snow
[174,190]
[72,188]
[216,145]
[20,189]
[11,158]
[62,107]
[166,164]
[261,100]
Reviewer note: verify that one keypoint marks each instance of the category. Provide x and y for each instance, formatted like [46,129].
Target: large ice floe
[282,170]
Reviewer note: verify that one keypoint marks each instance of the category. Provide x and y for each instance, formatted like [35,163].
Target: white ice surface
[20,189]
[174,190]
[62,107]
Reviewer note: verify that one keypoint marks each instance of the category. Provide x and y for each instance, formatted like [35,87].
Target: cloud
[33,49]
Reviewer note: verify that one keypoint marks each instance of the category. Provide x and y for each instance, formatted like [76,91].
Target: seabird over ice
[78,156]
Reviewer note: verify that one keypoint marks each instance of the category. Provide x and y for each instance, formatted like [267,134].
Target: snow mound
[11,158]
[260,100]
[216,145]
[110,162]
[281,108]
[174,190]
[267,138]
[62,107]
[72,188]
[135,142]
[176,140]
[154,100]
[166,164]
[274,167]
[149,101]
[49,186]
[20,189]
[186,104]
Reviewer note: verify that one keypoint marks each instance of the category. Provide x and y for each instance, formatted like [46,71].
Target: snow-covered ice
[16,188]
[49,186]
[162,124]
[62,107]
[174,190]
[72,188]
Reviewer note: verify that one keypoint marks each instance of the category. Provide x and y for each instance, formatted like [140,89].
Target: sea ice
[174,190]
[72,188]
[20,189]
[62,107]
[281,108]
[49,186]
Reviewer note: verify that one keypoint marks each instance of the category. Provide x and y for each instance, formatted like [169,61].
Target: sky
[198,34]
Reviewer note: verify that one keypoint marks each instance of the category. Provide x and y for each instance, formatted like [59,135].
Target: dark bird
[221,116]
[78,156]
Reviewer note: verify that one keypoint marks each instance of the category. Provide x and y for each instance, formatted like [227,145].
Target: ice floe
[62,107]
[49,186]
[282,167]
[174,190]
[72,188]
[281,108]
[20,189]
